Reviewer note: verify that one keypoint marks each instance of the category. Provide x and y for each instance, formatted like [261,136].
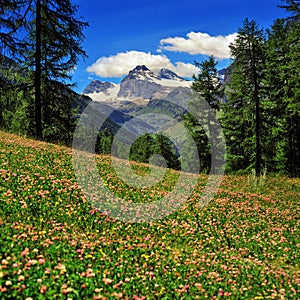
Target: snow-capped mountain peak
[141,73]
[97,86]
[168,74]
[140,83]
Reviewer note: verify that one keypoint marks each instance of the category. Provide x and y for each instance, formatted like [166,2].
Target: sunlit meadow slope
[54,245]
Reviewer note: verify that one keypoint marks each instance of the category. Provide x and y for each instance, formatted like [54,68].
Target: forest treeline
[41,42]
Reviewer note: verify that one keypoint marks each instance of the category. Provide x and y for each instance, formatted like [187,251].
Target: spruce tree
[43,42]
[55,45]
[142,148]
[243,111]
[163,146]
[207,83]
[277,50]
[283,56]
[200,138]
[207,95]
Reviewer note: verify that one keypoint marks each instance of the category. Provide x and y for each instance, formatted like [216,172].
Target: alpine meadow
[161,179]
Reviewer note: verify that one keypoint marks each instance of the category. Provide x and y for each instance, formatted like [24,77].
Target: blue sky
[162,33]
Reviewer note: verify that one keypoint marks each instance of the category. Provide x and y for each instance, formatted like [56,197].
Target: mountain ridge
[143,84]
[140,83]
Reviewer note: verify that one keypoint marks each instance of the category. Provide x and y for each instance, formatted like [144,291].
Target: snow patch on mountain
[140,83]
[108,95]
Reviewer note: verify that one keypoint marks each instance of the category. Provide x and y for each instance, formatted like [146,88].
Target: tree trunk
[258,133]
[38,73]
[257,114]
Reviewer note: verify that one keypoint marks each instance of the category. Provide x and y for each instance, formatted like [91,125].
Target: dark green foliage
[54,47]
[283,89]
[143,148]
[104,141]
[59,121]
[44,38]
[200,138]
[207,83]
[208,92]
[163,146]
[242,117]
[261,118]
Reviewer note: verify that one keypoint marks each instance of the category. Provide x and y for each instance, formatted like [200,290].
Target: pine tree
[43,41]
[207,83]
[142,148]
[243,111]
[200,138]
[163,146]
[283,80]
[207,94]
[104,141]
[293,7]
[282,86]
[275,81]
[55,38]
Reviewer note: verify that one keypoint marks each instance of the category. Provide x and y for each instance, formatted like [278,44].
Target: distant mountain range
[142,86]
[143,91]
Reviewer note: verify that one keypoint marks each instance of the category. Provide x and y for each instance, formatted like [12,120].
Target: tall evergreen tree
[163,146]
[243,110]
[283,67]
[198,134]
[292,89]
[104,141]
[275,80]
[208,90]
[142,148]
[55,38]
[207,83]
[43,41]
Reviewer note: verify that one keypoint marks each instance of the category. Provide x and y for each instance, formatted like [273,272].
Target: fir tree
[283,80]
[142,148]
[207,95]
[207,83]
[55,38]
[243,113]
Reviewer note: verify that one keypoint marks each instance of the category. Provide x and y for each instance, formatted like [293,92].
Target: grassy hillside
[54,245]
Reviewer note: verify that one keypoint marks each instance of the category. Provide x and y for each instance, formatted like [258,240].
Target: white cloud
[121,63]
[184,70]
[200,43]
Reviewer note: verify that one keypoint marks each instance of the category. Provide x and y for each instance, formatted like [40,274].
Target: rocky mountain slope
[143,91]
[142,85]
[139,87]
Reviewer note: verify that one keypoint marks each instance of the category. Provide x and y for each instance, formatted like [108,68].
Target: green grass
[54,245]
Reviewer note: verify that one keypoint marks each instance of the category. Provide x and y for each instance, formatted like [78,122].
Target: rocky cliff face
[141,87]
[97,86]
[168,74]
[140,84]
[225,74]
[144,91]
